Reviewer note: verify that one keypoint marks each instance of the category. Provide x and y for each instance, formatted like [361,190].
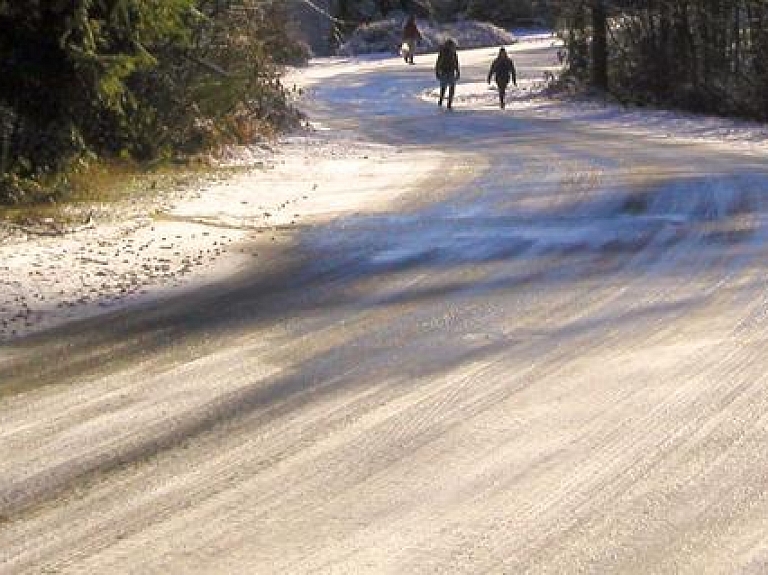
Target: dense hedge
[703,55]
[138,79]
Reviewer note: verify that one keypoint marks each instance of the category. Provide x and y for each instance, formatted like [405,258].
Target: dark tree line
[503,12]
[133,79]
[702,55]
[142,80]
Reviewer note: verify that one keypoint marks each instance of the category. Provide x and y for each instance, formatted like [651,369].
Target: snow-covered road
[529,341]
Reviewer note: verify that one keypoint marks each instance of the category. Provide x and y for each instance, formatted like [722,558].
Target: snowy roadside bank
[200,235]
[535,53]
[207,232]
[532,100]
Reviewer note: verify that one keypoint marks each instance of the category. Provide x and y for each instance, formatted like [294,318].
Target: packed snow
[206,231]
[528,340]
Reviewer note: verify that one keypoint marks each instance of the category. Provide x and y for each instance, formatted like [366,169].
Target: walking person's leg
[451,92]
[502,95]
[443,86]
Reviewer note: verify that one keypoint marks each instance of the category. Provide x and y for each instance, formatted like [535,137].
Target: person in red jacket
[411,36]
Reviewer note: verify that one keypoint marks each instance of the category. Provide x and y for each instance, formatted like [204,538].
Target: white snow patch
[531,99]
[209,234]
[385,36]
[194,241]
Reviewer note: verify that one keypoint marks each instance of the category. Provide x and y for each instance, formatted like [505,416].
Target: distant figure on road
[504,69]
[411,37]
[447,71]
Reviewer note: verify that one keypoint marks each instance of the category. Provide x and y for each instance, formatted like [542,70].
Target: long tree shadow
[377,264]
[316,377]
[322,269]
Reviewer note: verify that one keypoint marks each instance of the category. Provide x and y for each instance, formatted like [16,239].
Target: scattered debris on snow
[206,232]
[195,235]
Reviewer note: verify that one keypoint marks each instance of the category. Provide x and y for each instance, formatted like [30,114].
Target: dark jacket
[411,31]
[447,66]
[504,70]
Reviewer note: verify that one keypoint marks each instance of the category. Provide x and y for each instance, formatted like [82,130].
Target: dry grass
[101,188]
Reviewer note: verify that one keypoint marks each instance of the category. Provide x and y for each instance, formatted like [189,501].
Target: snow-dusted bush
[386,36]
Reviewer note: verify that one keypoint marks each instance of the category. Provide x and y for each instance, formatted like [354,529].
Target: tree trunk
[599,68]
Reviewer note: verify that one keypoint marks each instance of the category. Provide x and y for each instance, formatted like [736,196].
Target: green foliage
[701,55]
[500,11]
[139,79]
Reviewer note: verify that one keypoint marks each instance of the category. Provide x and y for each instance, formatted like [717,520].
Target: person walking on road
[503,68]
[447,71]
[411,37]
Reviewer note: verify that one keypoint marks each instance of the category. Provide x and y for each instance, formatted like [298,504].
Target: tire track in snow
[452,413]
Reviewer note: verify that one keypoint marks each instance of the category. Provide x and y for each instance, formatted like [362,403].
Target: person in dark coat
[503,68]
[411,37]
[447,71]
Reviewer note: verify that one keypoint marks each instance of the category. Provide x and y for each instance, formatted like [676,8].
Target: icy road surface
[495,342]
